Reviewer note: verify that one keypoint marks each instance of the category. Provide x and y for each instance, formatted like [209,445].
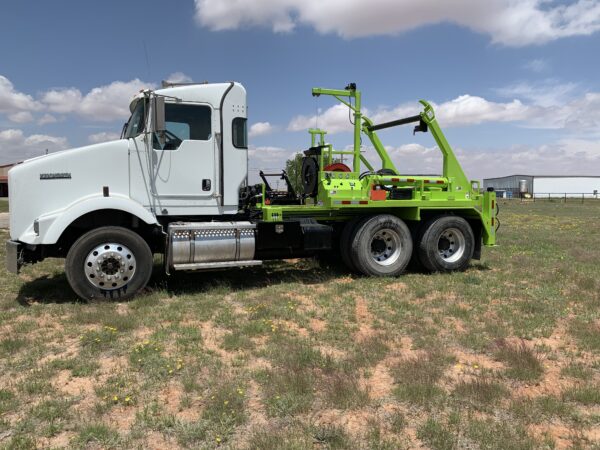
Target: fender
[52,225]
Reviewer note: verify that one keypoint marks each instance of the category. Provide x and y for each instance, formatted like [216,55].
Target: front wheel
[108,262]
[446,244]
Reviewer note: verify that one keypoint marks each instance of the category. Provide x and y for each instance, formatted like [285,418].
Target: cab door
[183,164]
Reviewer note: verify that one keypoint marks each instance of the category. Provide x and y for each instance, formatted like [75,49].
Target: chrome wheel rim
[385,247]
[110,266]
[451,245]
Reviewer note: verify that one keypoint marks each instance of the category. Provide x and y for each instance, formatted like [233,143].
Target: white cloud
[565,157]
[266,158]
[543,93]
[21,117]
[15,146]
[104,103]
[103,136]
[62,101]
[178,77]
[47,118]
[463,110]
[473,110]
[260,129]
[335,120]
[508,22]
[537,65]
[12,101]
[553,108]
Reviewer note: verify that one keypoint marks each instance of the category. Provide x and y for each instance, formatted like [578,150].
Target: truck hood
[51,183]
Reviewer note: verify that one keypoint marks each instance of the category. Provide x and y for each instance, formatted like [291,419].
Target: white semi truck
[176,184]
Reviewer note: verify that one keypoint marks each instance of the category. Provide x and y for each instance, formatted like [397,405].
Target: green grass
[3,205]
[280,357]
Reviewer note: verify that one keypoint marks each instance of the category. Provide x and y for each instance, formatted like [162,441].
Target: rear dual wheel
[446,244]
[377,246]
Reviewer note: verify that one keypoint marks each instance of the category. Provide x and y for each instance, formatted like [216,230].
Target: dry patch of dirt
[257,415]
[364,319]
[211,338]
[157,441]
[560,433]
[61,440]
[74,386]
[69,348]
[397,286]
[334,352]
[380,384]
[259,364]
[306,303]
[142,333]
[170,398]
[355,422]
[344,280]
[318,325]
[121,418]
[293,326]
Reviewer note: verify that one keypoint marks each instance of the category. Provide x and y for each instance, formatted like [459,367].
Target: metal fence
[565,197]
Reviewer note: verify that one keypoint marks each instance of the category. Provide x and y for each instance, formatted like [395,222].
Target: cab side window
[239,132]
[185,122]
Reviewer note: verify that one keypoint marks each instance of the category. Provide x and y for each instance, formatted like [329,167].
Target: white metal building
[546,185]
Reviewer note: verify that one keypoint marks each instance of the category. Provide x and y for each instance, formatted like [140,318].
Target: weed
[344,392]
[492,435]
[541,408]
[587,334]
[586,394]
[331,436]
[98,434]
[480,391]
[436,435]
[416,378]
[524,363]
[287,392]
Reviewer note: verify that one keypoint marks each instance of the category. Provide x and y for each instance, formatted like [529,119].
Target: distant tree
[293,167]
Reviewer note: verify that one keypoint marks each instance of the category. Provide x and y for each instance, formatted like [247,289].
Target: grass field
[3,205]
[293,355]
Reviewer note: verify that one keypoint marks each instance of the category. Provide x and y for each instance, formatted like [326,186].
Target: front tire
[381,246]
[108,262]
[447,244]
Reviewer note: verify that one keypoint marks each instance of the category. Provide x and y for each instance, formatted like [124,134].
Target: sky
[515,84]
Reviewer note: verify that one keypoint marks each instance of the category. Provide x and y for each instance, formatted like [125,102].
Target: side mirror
[158,125]
[158,114]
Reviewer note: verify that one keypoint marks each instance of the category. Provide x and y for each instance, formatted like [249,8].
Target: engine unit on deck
[211,245]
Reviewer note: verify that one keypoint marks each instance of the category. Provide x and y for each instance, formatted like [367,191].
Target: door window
[185,122]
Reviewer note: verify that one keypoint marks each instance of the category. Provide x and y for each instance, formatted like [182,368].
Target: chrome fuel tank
[210,242]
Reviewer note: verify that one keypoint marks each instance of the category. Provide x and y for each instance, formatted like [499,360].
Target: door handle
[206,184]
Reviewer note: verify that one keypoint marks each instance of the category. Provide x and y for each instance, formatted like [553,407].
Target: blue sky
[516,84]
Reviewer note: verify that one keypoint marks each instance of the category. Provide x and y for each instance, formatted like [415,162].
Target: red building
[4,179]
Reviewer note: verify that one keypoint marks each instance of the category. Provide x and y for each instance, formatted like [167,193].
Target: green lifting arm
[452,168]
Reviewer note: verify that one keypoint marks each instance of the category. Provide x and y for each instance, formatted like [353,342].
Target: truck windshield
[137,120]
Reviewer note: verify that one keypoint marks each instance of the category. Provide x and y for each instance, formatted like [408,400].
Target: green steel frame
[343,195]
